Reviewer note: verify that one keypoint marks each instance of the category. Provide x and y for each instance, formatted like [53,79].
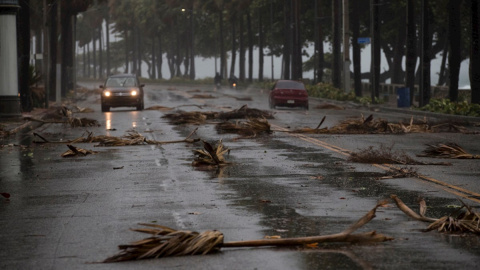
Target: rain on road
[68,212]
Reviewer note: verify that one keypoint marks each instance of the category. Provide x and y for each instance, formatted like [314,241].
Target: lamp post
[9,96]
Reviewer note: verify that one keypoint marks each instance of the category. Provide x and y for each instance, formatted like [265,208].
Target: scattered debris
[5,195]
[457,222]
[165,241]
[370,125]
[384,155]
[245,112]
[447,150]
[250,128]
[63,115]
[196,118]
[211,157]
[83,110]
[400,173]
[199,118]
[132,138]
[76,151]
[316,130]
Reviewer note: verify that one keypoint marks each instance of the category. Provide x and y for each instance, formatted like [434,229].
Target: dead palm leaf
[447,150]
[77,151]
[165,241]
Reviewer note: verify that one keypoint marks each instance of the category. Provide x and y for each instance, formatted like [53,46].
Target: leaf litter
[447,150]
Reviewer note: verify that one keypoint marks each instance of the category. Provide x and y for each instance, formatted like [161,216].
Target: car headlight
[133,92]
[107,93]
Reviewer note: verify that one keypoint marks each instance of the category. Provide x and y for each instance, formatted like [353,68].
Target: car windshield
[121,82]
[289,85]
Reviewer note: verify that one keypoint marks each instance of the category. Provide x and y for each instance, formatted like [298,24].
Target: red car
[287,93]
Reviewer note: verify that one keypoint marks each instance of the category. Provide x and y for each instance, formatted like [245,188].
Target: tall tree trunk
[84,62]
[475,52]
[223,53]
[127,61]
[375,46]
[425,86]
[287,47]
[94,52]
[107,40]
[297,70]
[357,68]
[443,69]
[66,48]
[89,63]
[250,47]
[154,63]
[23,53]
[411,50]
[234,48]
[192,47]
[159,58]
[100,52]
[139,52]
[53,50]
[336,60]
[398,51]
[454,57]
[241,60]
[260,47]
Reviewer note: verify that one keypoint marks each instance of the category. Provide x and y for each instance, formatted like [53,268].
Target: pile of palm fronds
[77,151]
[447,150]
[385,155]
[250,128]
[316,130]
[63,115]
[464,219]
[370,125]
[131,138]
[196,118]
[245,112]
[211,156]
[165,241]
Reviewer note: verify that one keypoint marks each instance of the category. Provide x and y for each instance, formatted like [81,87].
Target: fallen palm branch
[211,156]
[316,130]
[250,128]
[77,151]
[245,112]
[63,115]
[385,155]
[131,138]
[457,222]
[447,150]
[370,125]
[166,242]
[196,118]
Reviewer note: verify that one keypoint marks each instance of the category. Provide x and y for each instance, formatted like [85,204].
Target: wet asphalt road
[66,213]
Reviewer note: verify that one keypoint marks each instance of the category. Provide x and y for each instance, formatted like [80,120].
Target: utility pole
[9,96]
[346,48]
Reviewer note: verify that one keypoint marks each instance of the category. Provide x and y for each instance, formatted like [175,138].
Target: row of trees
[173,33]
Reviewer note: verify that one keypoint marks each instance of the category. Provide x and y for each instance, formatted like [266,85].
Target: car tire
[140,106]
[105,108]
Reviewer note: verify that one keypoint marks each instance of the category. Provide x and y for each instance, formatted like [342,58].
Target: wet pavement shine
[72,213]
